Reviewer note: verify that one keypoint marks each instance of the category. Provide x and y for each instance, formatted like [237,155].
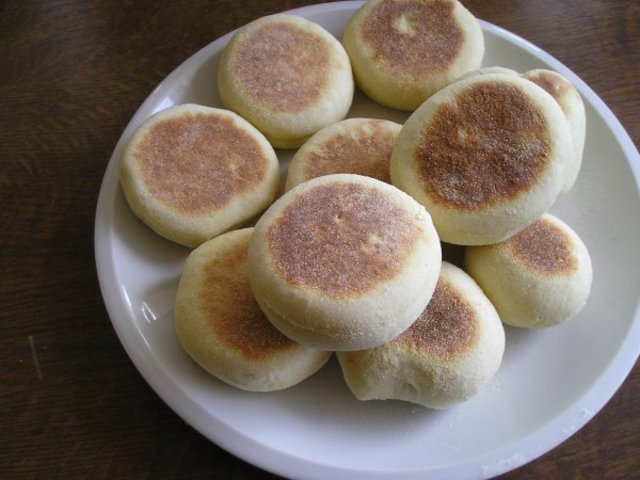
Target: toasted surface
[361,146]
[570,101]
[298,58]
[403,51]
[426,33]
[451,351]
[447,328]
[181,157]
[191,172]
[544,247]
[337,261]
[554,83]
[486,156]
[342,239]
[500,148]
[221,326]
[287,76]
[538,278]
[230,309]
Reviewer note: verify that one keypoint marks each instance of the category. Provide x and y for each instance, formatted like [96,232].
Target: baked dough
[486,156]
[220,325]
[192,172]
[539,278]
[403,51]
[571,103]
[344,262]
[449,354]
[288,76]
[567,96]
[357,145]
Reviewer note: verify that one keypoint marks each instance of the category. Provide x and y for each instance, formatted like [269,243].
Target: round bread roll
[403,51]
[449,354]
[220,325]
[344,262]
[192,172]
[538,278]
[486,156]
[567,96]
[288,76]
[357,145]
[570,101]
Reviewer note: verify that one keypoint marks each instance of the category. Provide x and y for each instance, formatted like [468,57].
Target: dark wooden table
[72,73]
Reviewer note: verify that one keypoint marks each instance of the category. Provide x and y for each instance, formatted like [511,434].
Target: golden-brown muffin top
[544,248]
[364,149]
[413,37]
[555,84]
[342,239]
[283,66]
[487,145]
[447,328]
[234,316]
[197,162]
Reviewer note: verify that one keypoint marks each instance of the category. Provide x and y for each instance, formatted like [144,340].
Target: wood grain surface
[72,73]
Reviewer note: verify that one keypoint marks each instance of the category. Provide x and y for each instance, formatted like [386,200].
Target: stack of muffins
[349,258]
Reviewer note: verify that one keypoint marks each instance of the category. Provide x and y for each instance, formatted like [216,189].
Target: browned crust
[365,149]
[283,66]
[447,328]
[544,248]
[233,314]
[198,162]
[342,239]
[413,38]
[488,145]
[553,83]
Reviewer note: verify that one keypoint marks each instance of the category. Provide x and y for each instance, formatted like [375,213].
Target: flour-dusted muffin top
[448,355]
[191,172]
[486,156]
[356,145]
[540,277]
[344,262]
[288,76]
[403,51]
[221,326]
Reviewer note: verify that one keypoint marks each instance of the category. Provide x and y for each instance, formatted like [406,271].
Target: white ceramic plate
[550,383]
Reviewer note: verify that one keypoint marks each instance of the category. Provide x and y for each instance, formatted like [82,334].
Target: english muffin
[344,262]
[486,156]
[450,353]
[221,327]
[192,172]
[567,96]
[357,145]
[570,101]
[403,51]
[288,76]
[538,278]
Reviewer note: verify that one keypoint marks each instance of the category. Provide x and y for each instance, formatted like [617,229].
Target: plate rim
[545,438]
